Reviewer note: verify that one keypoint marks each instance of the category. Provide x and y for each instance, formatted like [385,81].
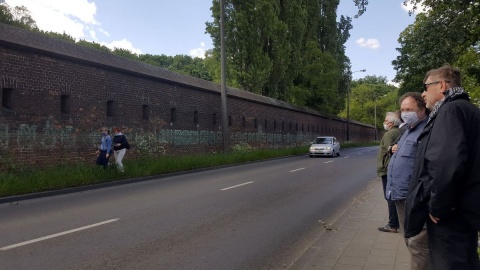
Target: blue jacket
[106,144]
[401,164]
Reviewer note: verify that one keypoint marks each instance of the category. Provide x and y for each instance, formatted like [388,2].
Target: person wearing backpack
[120,146]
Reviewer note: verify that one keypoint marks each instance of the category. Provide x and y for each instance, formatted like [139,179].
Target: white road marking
[297,170]
[329,161]
[359,153]
[347,157]
[57,235]
[237,185]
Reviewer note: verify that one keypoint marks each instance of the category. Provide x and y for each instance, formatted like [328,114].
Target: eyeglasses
[426,85]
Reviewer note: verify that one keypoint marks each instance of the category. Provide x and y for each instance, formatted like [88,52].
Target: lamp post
[348,101]
[375,116]
[223,80]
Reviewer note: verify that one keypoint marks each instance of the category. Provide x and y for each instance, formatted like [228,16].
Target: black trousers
[102,159]
[453,244]
[392,208]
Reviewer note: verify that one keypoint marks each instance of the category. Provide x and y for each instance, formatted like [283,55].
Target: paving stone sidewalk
[354,241]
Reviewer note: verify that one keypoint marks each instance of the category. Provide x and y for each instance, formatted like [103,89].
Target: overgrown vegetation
[421,51]
[61,177]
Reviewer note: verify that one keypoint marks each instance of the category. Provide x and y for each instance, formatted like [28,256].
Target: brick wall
[56,96]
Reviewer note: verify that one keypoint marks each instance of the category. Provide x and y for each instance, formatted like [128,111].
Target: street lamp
[348,101]
[375,116]
[223,79]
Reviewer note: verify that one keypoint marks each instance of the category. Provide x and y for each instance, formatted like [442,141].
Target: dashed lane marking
[57,235]
[237,185]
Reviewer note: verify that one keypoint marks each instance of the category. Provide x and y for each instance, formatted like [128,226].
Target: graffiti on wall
[49,136]
[29,137]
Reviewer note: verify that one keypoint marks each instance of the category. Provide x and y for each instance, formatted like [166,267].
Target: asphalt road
[255,216]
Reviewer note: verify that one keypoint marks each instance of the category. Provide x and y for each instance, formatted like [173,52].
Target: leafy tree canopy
[371,97]
[448,31]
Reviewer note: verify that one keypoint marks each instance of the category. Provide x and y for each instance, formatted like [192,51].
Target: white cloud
[393,83]
[122,44]
[198,52]
[420,7]
[93,34]
[104,32]
[73,17]
[371,43]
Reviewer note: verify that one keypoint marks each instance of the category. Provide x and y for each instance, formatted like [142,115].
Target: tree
[371,94]
[446,31]
[269,50]
[469,63]
[18,16]
[286,49]
[249,28]
[184,64]
[125,53]
[187,65]
[63,36]
[321,76]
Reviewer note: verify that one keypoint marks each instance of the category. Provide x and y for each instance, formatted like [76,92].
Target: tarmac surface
[353,241]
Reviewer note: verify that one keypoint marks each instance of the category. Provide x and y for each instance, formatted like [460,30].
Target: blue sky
[178,27]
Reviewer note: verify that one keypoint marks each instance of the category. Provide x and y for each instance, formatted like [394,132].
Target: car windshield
[323,141]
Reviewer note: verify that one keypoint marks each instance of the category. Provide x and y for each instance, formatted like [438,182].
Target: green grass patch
[61,177]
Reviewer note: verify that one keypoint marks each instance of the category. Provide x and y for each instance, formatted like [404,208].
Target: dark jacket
[446,176]
[119,138]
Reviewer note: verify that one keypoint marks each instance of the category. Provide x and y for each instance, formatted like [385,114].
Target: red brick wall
[35,71]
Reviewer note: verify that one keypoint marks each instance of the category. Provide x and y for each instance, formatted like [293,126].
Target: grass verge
[61,177]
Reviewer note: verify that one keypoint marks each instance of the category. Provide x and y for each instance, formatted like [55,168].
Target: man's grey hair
[393,117]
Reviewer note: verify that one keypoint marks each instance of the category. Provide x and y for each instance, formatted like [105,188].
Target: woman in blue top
[105,148]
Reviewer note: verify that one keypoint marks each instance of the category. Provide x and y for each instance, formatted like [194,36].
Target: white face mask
[385,126]
[410,118]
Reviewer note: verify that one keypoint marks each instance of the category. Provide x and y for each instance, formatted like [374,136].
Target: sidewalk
[354,241]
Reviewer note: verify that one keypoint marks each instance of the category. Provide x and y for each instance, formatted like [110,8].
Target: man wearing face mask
[400,168]
[391,123]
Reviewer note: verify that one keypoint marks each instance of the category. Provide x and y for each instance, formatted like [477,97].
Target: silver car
[325,146]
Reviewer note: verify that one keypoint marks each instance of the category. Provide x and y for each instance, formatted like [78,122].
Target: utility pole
[375,116]
[348,101]
[223,81]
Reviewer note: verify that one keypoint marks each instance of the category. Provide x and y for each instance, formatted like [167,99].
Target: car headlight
[311,148]
[328,148]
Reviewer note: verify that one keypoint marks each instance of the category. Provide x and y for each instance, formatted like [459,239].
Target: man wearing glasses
[445,186]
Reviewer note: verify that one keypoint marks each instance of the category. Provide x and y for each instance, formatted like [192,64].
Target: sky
[173,27]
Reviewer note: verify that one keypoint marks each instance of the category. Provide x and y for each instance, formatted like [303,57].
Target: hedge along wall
[56,96]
